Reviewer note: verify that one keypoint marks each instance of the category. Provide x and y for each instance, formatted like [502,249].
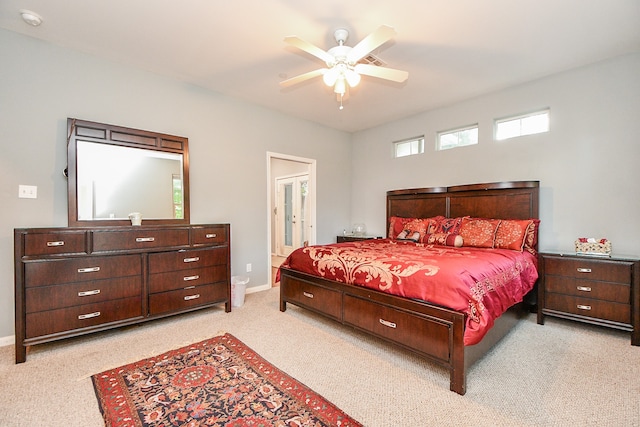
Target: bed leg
[458,381]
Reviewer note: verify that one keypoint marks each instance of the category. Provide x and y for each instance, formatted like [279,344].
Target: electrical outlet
[248,268]
[27,192]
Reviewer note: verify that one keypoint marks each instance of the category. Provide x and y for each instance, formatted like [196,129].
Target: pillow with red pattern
[422,226]
[479,232]
[531,239]
[448,225]
[512,233]
[443,239]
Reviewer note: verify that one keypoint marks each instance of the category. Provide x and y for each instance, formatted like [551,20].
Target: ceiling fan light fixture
[341,86]
[352,77]
[331,76]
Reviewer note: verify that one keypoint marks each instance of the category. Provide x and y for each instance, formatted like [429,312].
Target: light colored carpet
[559,374]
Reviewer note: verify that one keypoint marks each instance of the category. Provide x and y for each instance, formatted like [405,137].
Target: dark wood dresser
[75,281]
[603,291]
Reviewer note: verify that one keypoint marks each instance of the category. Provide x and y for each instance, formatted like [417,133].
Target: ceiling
[452,49]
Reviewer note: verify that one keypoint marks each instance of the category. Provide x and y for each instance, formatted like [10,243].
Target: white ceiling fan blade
[302,77]
[370,43]
[309,48]
[381,72]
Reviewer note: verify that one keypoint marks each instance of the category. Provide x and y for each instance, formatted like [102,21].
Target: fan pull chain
[341,107]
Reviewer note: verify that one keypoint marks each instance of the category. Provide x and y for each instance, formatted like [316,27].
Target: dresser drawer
[184,260]
[605,270]
[599,309]
[326,301]
[608,291]
[180,279]
[53,243]
[83,316]
[208,235]
[59,271]
[42,298]
[182,299]
[139,238]
[399,326]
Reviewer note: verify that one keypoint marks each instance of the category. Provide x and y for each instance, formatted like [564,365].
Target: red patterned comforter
[483,283]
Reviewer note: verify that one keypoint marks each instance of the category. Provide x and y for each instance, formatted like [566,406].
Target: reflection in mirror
[113,181]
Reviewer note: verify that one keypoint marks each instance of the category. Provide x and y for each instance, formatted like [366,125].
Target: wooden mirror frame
[82,130]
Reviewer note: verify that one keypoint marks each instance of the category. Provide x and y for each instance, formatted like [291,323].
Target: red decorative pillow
[511,234]
[531,239]
[443,239]
[479,232]
[398,225]
[448,225]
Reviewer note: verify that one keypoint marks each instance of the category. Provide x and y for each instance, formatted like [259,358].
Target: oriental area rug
[217,382]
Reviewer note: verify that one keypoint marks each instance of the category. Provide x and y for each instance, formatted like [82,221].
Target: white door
[292,213]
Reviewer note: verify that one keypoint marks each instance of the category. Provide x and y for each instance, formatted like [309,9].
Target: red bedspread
[483,283]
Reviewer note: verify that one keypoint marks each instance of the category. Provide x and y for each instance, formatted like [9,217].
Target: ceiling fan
[344,66]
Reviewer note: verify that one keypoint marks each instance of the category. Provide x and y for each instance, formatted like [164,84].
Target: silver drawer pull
[194,259]
[584,307]
[584,270]
[387,323]
[187,278]
[145,239]
[584,288]
[58,243]
[89,315]
[211,236]
[190,297]
[89,293]
[88,270]
[308,294]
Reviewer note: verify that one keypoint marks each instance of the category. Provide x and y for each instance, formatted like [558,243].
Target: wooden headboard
[500,200]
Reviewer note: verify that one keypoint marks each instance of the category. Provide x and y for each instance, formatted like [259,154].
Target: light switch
[27,191]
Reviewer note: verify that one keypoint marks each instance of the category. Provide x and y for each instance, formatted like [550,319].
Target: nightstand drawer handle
[58,243]
[388,324]
[190,297]
[88,293]
[194,259]
[584,307]
[308,294]
[88,316]
[584,270]
[584,288]
[88,270]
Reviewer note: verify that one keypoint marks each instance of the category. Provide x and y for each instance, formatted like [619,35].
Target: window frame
[457,130]
[420,150]
[520,118]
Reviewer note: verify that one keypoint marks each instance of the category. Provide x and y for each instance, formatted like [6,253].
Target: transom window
[525,124]
[460,137]
[409,147]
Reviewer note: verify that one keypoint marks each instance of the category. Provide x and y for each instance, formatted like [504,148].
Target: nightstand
[602,291]
[354,238]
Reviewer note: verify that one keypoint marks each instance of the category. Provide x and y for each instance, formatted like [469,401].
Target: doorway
[291,213]
[292,206]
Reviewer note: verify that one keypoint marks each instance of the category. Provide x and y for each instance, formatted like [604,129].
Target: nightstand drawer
[614,292]
[612,311]
[605,270]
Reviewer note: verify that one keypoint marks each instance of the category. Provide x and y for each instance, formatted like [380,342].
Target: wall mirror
[114,171]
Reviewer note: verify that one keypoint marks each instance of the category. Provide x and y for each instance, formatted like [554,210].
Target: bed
[453,333]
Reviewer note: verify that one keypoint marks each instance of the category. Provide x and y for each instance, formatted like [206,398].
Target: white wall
[587,164]
[42,84]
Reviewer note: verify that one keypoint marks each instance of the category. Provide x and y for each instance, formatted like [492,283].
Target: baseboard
[260,288]
[5,341]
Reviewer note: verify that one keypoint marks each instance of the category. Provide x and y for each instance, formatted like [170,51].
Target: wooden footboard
[433,332]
